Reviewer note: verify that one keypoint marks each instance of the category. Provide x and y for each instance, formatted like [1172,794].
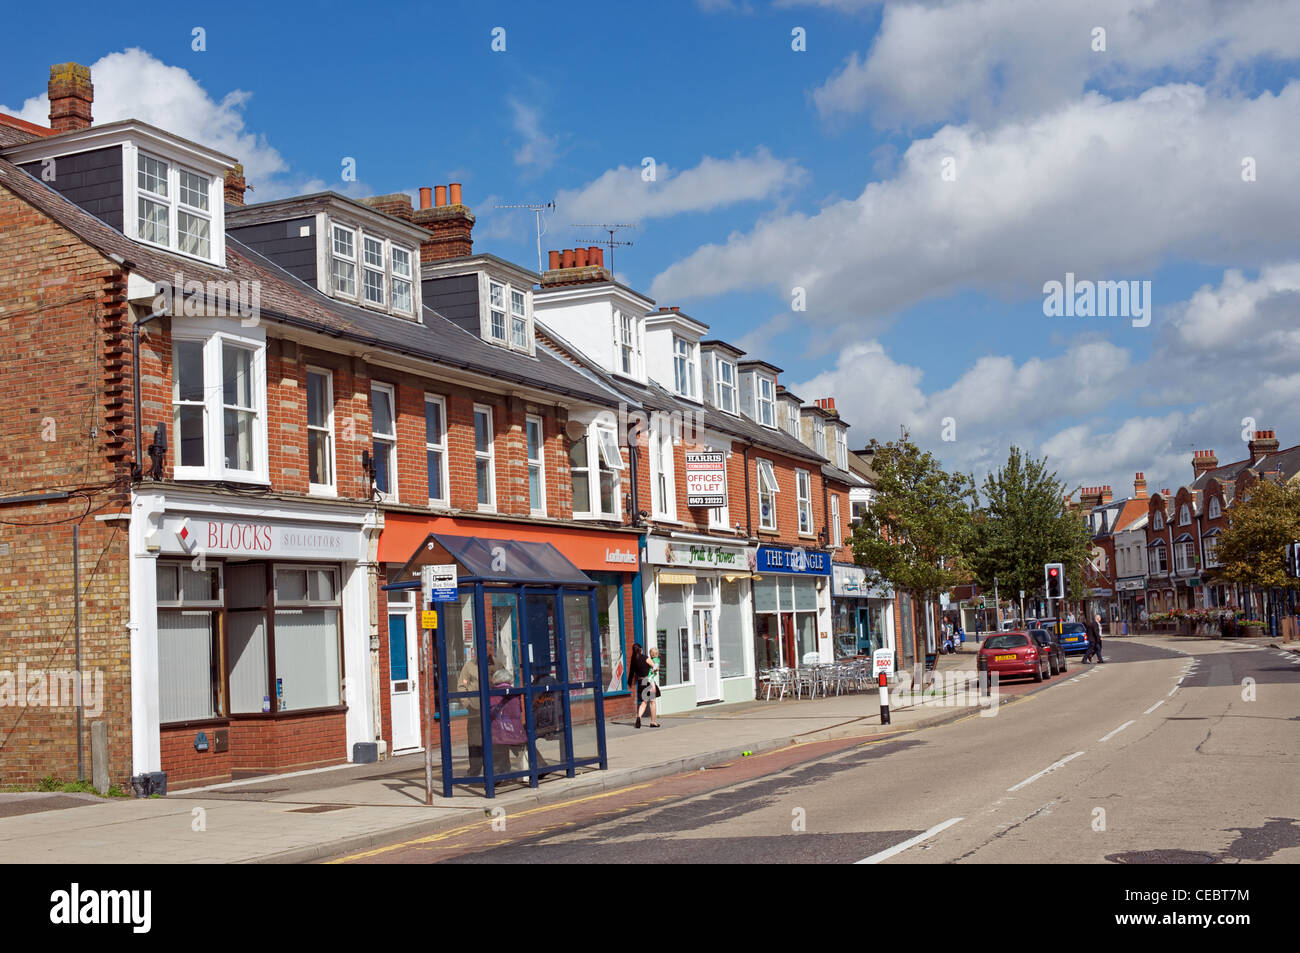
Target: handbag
[508,726]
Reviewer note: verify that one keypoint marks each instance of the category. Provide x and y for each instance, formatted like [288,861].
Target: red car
[1013,653]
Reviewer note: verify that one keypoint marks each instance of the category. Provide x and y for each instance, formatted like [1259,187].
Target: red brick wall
[60,381]
[289,742]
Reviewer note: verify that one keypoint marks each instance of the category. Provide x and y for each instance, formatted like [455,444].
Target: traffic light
[1054,580]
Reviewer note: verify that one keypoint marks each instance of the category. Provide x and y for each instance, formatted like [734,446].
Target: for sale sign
[706,479]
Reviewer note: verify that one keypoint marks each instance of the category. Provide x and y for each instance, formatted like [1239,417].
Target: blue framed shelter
[517,655]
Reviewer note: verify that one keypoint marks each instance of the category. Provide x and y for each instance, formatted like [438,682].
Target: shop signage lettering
[800,561]
[620,556]
[243,537]
[700,555]
[217,537]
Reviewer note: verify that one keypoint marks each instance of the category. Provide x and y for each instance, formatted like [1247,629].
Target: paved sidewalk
[312,815]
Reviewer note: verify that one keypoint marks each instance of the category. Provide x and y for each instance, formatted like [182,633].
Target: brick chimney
[1090,496]
[449,221]
[1265,442]
[71,95]
[827,404]
[1140,486]
[576,266]
[1106,495]
[398,204]
[1203,460]
[235,185]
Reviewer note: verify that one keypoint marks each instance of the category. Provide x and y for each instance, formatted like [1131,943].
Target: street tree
[916,529]
[1022,524]
[1250,551]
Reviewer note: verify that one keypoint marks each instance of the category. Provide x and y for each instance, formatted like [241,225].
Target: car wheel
[1038,673]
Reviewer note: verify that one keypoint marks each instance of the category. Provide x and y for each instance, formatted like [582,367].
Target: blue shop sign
[804,562]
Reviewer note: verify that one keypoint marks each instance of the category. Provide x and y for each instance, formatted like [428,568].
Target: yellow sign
[429,619]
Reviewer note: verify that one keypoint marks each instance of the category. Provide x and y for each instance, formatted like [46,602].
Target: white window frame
[837,538]
[506,309]
[439,447]
[729,388]
[1214,510]
[627,345]
[766,474]
[603,456]
[803,499]
[407,278]
[768,403]
[489,455]
[215,191]
[841,448]
[819,436]
[1153,563]
[363,289]
[1185,555]
[214,444]
[1158,522]
[1185,515]
[792,418]
[1210,544]
[330,488]
[663,475]
[518,320]
[685,366]
[352,233]
[537,463]
[391,496]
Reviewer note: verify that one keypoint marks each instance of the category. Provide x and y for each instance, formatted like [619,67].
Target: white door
[704,650]
[404,679]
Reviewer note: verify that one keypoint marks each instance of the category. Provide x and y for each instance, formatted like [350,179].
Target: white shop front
[251,647]
[699,614]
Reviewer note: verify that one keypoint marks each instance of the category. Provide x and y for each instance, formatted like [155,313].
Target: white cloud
[1023,56]
[622,194]
[1101,188]
[539,150]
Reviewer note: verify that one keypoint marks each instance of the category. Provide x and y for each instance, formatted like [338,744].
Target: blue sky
[818,169]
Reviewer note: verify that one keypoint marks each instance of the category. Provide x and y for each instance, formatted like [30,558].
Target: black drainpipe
[749,520]
[632,445]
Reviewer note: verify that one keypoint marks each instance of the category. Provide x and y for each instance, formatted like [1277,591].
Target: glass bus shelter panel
[463,699]
[550,719]
[580,639]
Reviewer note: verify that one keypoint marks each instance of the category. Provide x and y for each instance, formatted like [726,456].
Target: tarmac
[310,816]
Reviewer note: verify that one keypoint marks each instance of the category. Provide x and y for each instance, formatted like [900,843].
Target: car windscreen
[1041,636]
[1014,641]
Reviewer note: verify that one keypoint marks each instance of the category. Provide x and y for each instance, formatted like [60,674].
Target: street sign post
[438,583]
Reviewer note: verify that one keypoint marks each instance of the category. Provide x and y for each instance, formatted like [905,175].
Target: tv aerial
[537,211]
[610,242]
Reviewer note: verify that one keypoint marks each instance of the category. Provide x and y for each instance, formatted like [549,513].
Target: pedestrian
[961,635]
[638,673]
[1094,640]
[652,687]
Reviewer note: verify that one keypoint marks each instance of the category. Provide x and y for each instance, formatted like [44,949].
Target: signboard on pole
[706,478]
[882,661]
[439,583]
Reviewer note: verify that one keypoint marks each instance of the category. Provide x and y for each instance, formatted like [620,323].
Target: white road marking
[910,842]
[1154,707]
[1171,692]
[1116,731]
[1047,770]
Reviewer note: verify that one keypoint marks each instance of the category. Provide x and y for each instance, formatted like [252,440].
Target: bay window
[383,437]
[803,492]
[767,490]
[484,458]
[218,406]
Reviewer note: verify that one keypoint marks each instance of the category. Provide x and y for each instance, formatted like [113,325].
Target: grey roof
[12,136]
[842,476]
[285,299]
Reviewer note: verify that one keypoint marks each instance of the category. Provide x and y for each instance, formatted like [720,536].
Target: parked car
[1050,643]
[1013,653]
[1074,637]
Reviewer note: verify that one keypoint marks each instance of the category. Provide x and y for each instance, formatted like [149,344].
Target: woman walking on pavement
[639,670]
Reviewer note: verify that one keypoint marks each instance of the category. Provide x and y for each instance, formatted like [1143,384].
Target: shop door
[403,679]
[708,685]
[867,640]
[788,656]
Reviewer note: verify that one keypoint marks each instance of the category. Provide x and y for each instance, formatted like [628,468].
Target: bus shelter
[516,660]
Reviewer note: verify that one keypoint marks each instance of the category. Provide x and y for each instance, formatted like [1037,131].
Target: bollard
[884,698]
[99,756]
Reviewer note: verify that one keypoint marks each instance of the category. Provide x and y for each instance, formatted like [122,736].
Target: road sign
[429,619]
[882,661]
[439,583]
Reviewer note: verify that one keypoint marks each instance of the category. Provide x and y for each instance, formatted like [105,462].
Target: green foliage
[1260,525]
[917,527]
[1024,524]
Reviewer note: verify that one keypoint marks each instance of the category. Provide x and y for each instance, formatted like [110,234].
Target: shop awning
[677,578]
[496,560]
[733,576]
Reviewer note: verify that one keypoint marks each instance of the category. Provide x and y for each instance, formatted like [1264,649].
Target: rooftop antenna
[537,211]
[609,242]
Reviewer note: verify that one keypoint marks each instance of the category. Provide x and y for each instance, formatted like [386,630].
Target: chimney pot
[454,197]
[599,254]
[567,258]
[580,256]
[426,197]
[439,196]
[71,97]
[554,260]
[676,308]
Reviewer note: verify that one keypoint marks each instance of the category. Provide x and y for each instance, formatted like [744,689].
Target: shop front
[1130,593]
[697,599]
[792,607]
[250,635]
[608,557]
[862,613]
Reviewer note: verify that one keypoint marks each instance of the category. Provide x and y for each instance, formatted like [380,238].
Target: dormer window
[173,207]
[402,279]
[841,448]
[507,320]
[343,263]
[627,343]
[792,419]
[372,275]
[518,320]
[684,366]
[766,402]
[726,376]
[371,270]
[819,436]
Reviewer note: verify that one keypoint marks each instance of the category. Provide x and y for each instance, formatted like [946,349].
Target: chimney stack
[396,204]
[1140,486]
[71,96]
[1090,497]
[575,266]
[1106,495]
[235,185]
[450,224]
[1203,460]
[1265,442]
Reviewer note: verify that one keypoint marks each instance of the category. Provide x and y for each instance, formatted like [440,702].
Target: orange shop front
[611,557]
